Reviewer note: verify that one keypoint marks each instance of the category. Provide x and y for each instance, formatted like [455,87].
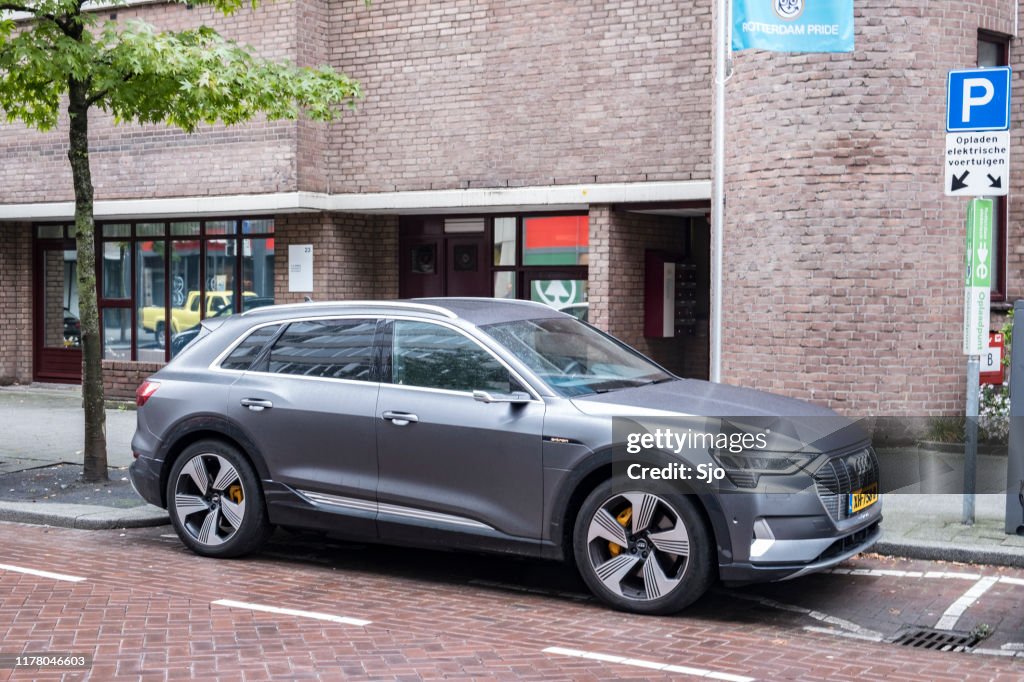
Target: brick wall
[843,259]
[120,379]
[150,161]
[523,92]
[15,303]
[354,256]
[618,245]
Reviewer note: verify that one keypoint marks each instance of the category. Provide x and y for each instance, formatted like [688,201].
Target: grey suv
[501,426]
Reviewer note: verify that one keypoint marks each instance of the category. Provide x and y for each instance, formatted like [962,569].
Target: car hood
[795,424]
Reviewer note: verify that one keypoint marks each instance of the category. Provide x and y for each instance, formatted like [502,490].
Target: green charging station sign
[978,286]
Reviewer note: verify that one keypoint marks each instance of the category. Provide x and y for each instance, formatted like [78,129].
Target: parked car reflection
[182,339]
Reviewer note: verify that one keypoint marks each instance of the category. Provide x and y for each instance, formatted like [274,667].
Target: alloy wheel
[209,500]
[638,545]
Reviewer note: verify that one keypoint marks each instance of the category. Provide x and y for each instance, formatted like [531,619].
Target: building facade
[545,150]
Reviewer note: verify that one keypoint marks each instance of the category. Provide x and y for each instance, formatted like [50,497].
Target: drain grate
[937,640]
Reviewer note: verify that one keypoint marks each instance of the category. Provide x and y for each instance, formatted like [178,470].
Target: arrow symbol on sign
[958,183]
[982,255]
[996,182]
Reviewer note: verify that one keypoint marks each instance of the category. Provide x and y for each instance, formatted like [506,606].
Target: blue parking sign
[978,99]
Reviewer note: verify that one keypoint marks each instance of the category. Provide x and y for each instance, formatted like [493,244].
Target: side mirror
[514,398]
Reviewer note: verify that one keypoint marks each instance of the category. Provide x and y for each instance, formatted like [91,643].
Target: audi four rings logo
[788,9]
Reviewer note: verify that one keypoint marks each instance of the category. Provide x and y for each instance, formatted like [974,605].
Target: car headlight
[744,468]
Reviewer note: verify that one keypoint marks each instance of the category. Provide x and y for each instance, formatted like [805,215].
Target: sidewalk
[41,463]
[42,427]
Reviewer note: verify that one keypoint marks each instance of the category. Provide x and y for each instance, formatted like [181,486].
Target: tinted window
[338,349]
[433,356]
[242,356]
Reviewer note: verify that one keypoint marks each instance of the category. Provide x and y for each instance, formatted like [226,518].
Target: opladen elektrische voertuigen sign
[793,25]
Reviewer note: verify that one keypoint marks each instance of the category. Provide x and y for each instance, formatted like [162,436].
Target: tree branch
[62,22]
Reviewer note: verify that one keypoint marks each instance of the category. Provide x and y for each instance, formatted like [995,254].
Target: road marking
[891,573]
[651,665]
[345,620]
[42,574]
[877,637]
[847,625]
[953,613]
[1011,581]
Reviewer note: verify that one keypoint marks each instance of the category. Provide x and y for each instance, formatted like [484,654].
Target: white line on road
[651,665]
[1011,581]
[953,613]
[42,574]
[292,612]
[877,637]
[890,573]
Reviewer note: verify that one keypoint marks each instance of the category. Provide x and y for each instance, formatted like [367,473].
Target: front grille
[840,476]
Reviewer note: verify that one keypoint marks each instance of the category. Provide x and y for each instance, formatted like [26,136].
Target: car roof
[477,311]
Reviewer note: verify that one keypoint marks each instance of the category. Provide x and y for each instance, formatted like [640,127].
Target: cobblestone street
[146,608]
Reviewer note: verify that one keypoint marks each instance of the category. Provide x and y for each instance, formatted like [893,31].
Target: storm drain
[937,640]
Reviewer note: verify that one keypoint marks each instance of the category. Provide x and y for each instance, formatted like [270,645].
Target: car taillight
[145,391]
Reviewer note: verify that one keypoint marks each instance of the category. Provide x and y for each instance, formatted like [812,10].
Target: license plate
[863,498]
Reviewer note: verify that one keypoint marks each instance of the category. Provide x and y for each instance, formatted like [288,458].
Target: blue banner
[793,25]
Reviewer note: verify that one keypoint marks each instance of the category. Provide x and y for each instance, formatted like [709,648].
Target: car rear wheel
[215,501]
[642,552]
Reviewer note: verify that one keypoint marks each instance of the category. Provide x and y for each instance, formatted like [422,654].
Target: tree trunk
[95,468]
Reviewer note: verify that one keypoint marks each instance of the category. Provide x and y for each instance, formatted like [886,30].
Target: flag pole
[723,53]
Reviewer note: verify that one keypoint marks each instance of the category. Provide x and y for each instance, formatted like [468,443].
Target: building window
[552,267]
[160,279]
[994,50]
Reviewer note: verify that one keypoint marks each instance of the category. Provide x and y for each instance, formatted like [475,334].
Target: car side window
[243,355]
[336,349]
[431,356]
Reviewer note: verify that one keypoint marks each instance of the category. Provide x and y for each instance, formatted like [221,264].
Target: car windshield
[574,358]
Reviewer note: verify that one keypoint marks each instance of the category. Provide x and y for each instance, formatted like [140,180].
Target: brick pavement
[145,612]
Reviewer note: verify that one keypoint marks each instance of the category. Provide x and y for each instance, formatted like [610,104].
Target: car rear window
[243,355]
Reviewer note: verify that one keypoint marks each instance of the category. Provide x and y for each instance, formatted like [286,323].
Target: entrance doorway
[443,258]
[541,258]
[57,329]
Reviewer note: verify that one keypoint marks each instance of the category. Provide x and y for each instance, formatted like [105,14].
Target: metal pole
[971,441]
[723,50]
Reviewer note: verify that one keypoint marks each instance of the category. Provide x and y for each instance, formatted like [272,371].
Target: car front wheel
[215,501]
[642,552]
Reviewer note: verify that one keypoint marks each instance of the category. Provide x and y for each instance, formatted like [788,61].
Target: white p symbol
[970,101]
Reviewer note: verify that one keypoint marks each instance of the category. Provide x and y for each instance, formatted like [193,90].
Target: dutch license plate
[863,498]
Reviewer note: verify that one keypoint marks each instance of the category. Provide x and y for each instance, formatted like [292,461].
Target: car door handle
[256,405]
[400,418]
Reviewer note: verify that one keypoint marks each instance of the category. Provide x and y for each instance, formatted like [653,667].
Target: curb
[83,516]
[939,551]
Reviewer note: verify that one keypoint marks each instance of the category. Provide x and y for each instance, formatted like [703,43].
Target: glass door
[58,331]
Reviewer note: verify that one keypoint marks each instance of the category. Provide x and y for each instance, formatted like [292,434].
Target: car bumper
[144,474]
[838,551]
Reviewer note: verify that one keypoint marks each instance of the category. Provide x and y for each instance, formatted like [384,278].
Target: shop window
[117,333]
[159,280]
[556,240]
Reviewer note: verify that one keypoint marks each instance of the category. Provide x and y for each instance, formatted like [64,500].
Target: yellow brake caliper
[235,493]
[623,518]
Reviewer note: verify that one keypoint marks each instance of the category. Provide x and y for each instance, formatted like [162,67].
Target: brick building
[546,150]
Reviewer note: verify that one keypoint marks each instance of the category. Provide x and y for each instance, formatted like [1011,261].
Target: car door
[308,403]
[447,462]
